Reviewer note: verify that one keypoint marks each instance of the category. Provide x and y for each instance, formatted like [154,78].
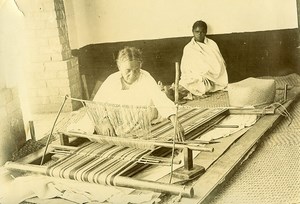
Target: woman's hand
[179,129]
[107,128]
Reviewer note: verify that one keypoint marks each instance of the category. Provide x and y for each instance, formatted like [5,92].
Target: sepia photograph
[149,101]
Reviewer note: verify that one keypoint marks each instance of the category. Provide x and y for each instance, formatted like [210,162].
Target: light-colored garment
[143,92]
[147,105]
[202,62]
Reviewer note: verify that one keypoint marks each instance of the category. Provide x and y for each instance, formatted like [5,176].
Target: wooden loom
[93,162]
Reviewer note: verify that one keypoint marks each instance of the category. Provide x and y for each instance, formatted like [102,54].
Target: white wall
[100,21]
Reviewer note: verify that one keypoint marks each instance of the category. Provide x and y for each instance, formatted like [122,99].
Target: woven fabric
[214,100]
[251,92]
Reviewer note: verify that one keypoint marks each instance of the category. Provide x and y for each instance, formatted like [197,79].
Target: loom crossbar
[121,181]
[136,143]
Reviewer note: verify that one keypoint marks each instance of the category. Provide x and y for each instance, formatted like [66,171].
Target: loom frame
[28,165]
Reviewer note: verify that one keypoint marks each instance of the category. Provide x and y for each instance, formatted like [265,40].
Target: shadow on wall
[250,54]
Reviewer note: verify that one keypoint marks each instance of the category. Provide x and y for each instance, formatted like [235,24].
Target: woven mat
[220,98]
[272,173]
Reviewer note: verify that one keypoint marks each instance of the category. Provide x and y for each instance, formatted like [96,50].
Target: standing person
[132,85]
[203,68]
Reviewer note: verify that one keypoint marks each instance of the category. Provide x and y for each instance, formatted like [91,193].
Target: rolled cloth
[251,92]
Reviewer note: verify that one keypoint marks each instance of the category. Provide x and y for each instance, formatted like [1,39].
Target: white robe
[143,92]
[202,61]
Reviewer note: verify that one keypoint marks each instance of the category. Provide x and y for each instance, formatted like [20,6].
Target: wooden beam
[85,87]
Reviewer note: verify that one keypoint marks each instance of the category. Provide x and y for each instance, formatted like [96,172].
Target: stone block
[39,100]
[32,92]
[62,74]
[12,106]
[52,108]
[57,82]
[54,41]
[43,92]
[55,48]
[56,99]
[2,97]
[38,57]
[48,5]
[57,57]
[3,114]
[49,49]
[50,74]
[56,66]
[39,83]
[51,23]
[48,32]
[34,67]
[8,95]
[64,91]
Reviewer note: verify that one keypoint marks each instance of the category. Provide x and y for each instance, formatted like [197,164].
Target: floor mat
[271,175]
[220,98]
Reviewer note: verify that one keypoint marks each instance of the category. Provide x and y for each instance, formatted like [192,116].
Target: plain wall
[101,21]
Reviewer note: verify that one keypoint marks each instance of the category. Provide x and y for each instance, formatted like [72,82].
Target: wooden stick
[120,181]
[136,143]
[61,149]
[176,82]
[285,93]
[183,146]
[52,129]
[85,88]
[64,147]
[226,126]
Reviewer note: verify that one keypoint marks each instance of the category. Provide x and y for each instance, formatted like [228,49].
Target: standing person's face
[130,70]
[199,34]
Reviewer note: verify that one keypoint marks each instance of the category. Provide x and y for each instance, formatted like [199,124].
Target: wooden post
[189,170]
[176,95]
[85,88]
[32,131]
[188,158]
[64,139]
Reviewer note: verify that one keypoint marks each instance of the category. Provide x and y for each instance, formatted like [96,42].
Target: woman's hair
[130,54]
[200,24]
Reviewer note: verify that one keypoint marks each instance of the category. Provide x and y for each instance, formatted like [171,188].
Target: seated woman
[202,66]
[132,85]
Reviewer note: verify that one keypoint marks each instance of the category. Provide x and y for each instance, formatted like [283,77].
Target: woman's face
[130,70]
[199,34]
